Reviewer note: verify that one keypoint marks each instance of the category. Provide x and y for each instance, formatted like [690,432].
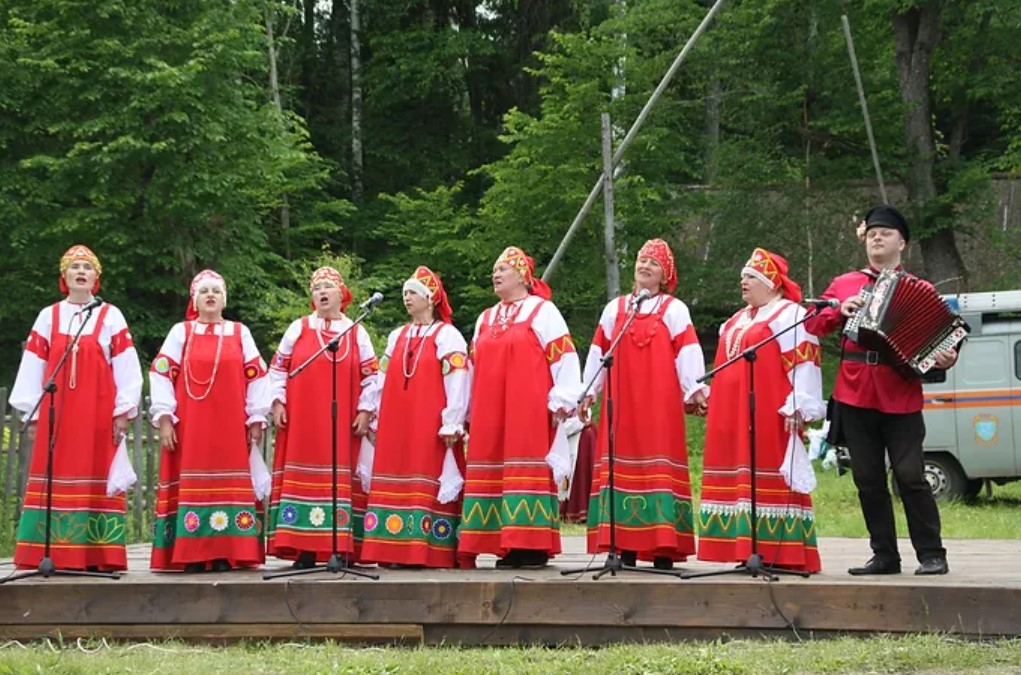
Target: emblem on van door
[986,429]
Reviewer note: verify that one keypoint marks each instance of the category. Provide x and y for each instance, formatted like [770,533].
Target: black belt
[870,357]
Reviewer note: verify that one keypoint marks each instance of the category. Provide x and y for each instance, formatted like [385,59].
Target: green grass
[838,513]
[928,654]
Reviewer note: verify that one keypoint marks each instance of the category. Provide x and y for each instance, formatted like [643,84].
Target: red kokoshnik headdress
[428,284]
[658,250]
[771,269]
[516,258]
[74,254]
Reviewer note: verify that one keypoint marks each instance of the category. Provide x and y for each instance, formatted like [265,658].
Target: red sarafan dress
[786,522]
[414,506]
[654,371]
[100,379]
[524,364]
[211,378]
[575,508]
[301,507]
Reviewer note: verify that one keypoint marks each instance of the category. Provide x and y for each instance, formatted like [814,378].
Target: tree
[917,32]
[144,129]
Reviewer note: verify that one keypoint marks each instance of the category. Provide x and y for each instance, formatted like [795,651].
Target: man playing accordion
[877,409]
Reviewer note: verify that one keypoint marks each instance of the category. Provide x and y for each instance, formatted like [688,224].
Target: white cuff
[131,410]
[160,415]
[452,430]
[698,388]
[563,397]
[809,407]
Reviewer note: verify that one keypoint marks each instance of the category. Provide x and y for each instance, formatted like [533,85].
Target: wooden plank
[216,599]
[407,634]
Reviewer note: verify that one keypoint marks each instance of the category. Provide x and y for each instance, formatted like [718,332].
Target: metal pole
[630,137]
[864,106]
[612,270]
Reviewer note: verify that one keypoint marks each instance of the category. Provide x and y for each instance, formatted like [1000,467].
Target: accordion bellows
[906,321]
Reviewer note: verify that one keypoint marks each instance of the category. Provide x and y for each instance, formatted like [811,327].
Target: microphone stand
[614,563]
[46,567]
[753,565]
[338,562]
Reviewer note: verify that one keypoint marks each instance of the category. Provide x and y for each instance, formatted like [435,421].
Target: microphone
[640,297]
[373,300]
[95,302]
[820,303]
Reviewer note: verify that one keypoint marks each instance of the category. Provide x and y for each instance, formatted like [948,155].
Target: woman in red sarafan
[788,389]
[653,381]
[414,501]
[210,397]
[525,382]
[301,509]
[97,393]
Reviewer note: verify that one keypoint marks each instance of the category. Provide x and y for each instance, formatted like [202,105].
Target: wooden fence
[143,448]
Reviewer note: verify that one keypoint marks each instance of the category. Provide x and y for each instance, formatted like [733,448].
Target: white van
[973,411]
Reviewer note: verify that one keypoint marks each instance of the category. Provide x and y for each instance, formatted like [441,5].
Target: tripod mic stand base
[337,564]
[614,563]
[47,569]
[753,567]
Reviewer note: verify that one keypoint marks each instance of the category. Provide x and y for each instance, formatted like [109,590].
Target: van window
[982,364]
[1017,359]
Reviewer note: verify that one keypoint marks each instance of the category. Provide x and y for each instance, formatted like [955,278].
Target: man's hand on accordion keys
[945,358]
[851,306]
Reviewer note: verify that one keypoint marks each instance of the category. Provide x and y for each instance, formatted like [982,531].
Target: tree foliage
[148,130]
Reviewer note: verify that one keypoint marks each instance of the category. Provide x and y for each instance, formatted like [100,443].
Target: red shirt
[878,387]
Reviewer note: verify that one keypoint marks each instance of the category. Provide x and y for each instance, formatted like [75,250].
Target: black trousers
[870,435]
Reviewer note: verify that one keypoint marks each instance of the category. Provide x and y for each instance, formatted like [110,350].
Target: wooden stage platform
[981,597]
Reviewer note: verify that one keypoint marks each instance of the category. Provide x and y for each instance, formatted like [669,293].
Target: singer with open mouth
[98,390]
[300,526]
[526,382]
[788,393]
[210,399]
[652,384]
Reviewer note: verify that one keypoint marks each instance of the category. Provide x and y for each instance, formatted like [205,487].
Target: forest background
[264,137]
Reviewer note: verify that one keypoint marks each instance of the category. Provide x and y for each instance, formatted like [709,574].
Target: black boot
[534,559]
[662,563]
[221,565]
[305,560]
[510,561]
[876,565]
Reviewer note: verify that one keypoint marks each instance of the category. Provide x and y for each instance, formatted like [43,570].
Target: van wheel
[946,479]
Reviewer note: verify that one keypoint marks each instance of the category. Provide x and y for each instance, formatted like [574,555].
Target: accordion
[906,321]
